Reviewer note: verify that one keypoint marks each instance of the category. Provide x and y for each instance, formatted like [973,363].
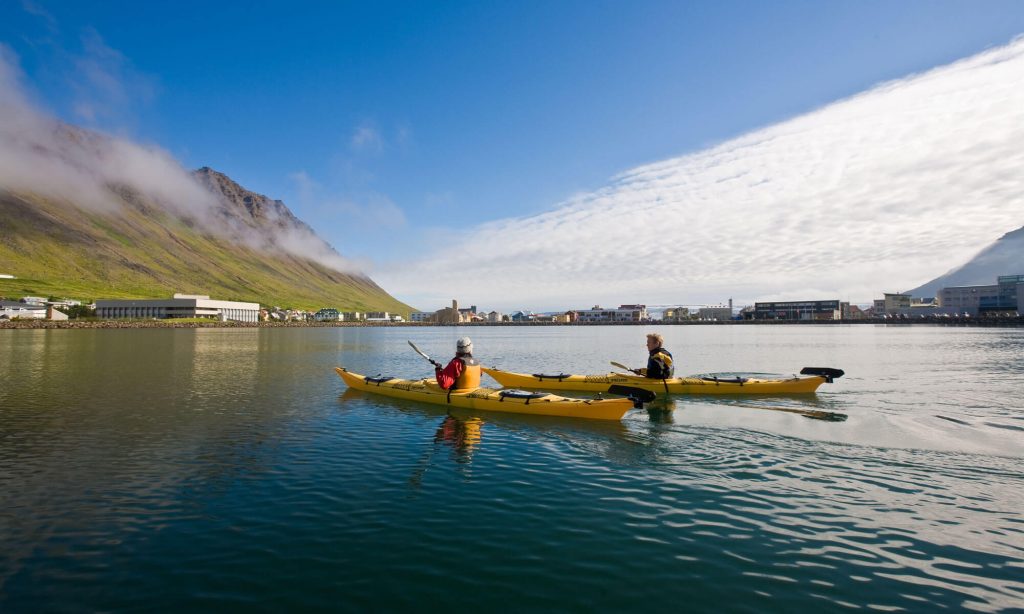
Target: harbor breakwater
[1007,321]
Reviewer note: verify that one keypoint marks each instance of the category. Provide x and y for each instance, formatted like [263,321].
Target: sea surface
[213,469]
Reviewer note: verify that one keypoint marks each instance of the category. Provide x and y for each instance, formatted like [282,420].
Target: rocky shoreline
[118,324]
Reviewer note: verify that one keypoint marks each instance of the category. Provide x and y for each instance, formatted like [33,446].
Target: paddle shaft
[622,366]
[420,352]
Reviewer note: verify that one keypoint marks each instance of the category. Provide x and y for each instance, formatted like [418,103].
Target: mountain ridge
[249,247]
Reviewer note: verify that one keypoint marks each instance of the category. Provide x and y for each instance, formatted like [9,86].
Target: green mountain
[238,245]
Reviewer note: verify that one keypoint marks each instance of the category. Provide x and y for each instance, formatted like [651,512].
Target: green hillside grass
[142,252]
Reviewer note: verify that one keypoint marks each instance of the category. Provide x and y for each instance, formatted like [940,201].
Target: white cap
[464,346]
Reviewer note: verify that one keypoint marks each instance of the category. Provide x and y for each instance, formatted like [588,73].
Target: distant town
[1000,300]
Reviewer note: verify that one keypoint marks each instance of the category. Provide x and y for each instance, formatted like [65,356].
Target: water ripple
[226,471]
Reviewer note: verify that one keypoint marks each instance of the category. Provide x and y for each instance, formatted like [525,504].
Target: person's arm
[446,377]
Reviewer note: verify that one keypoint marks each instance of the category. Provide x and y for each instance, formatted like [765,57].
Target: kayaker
[463,372]
[659,363]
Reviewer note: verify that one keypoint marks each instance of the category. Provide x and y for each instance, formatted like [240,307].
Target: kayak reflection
[461,434]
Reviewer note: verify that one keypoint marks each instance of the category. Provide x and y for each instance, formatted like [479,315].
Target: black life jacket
[659,365]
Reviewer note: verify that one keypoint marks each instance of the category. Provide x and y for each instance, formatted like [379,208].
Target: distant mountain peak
[259,209]
[1003,257]
[245,213]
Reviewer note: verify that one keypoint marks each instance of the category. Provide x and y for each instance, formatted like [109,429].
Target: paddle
[429,359]
[639,396]
[826,372]
[622,366]
[816,414]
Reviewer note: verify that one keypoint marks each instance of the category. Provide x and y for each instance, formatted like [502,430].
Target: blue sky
[397,128]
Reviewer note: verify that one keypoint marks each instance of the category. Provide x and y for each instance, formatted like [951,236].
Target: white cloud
[306,185]
[40,155]
[376,211]
[875,193]
[86,169]
[366,138]
[370,211]
[48,20]
[105,85]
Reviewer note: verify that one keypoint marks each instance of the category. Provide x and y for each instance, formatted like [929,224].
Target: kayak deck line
[489,399]
[701,384]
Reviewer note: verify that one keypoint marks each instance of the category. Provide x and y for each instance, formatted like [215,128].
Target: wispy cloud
[367,139]
[105,89]
[370,210]
[86,169]
[105,84]
[875,193]
[39,154]
[47,18]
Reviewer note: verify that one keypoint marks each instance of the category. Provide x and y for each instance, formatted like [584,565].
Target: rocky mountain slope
[244,247]
[1004,257]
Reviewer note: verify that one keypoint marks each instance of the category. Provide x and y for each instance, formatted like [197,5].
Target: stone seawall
[89,324]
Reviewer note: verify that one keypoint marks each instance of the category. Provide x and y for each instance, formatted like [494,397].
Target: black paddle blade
[639,396]
[827,373]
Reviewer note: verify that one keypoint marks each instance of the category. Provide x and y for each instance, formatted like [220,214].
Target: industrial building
[799,310]
[181,306]
[1007,295]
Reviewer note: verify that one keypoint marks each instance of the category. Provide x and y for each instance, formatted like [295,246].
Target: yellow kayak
[677,385]
[490,399]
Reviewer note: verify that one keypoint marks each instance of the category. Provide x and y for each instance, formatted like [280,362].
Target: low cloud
[86,169]
[41,155]
[876,193]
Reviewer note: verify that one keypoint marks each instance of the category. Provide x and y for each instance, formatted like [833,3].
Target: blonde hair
[657,338]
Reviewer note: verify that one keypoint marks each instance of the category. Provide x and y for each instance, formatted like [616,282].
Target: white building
[720,314]
[421,316]
[64,302]
[10,310]
[181,306]
[624,313]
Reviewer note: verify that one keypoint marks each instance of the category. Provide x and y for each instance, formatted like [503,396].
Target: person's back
[463,372]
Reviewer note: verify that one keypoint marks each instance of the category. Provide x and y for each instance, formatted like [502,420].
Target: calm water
[204,469]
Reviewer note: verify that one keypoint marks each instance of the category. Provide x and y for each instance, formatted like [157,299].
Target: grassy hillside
[143,252]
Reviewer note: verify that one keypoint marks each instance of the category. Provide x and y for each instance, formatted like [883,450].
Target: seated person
[659,361]
[463,372]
